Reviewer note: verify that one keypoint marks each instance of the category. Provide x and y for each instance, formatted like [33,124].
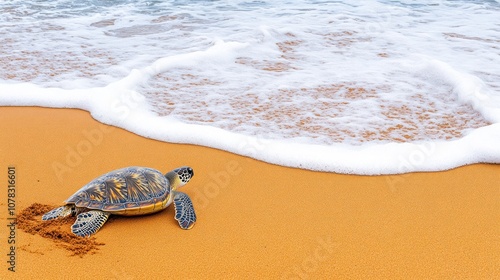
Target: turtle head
[179,176]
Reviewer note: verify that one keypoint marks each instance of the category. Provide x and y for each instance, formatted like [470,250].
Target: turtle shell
[126,191]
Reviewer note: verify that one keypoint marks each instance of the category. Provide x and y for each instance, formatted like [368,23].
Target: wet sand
[255,220]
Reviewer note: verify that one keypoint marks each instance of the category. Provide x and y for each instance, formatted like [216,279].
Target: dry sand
[255,220]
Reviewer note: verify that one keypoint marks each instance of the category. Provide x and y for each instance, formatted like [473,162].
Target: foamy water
[374,87]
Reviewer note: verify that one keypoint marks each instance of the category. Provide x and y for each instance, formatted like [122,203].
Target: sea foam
[374,88]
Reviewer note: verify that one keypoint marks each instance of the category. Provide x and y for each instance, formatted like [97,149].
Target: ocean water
[361,87]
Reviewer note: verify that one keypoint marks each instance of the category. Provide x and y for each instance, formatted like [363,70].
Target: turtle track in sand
[29,221]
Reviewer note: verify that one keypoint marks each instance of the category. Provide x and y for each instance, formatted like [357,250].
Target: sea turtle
[128,191]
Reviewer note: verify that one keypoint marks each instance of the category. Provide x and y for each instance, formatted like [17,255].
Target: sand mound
[30,221]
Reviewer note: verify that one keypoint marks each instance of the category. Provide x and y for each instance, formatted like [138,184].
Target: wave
[119,103]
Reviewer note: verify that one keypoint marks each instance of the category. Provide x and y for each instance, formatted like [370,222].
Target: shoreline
[254,219]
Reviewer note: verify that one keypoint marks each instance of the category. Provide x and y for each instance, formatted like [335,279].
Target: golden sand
[29,221]
[255,220]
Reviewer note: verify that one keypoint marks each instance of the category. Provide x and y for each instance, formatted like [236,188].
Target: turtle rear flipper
[59,212]
[184,210]
[89,222]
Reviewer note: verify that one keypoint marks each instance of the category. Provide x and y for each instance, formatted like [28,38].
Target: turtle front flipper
[184,210]
[89,222]
[59,212]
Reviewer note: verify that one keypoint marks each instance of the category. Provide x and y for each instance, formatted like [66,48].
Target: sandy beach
[255,220]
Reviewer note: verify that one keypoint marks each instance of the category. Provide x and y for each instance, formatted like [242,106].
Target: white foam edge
[118,105]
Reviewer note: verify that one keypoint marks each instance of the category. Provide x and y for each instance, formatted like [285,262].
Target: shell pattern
[125,188]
